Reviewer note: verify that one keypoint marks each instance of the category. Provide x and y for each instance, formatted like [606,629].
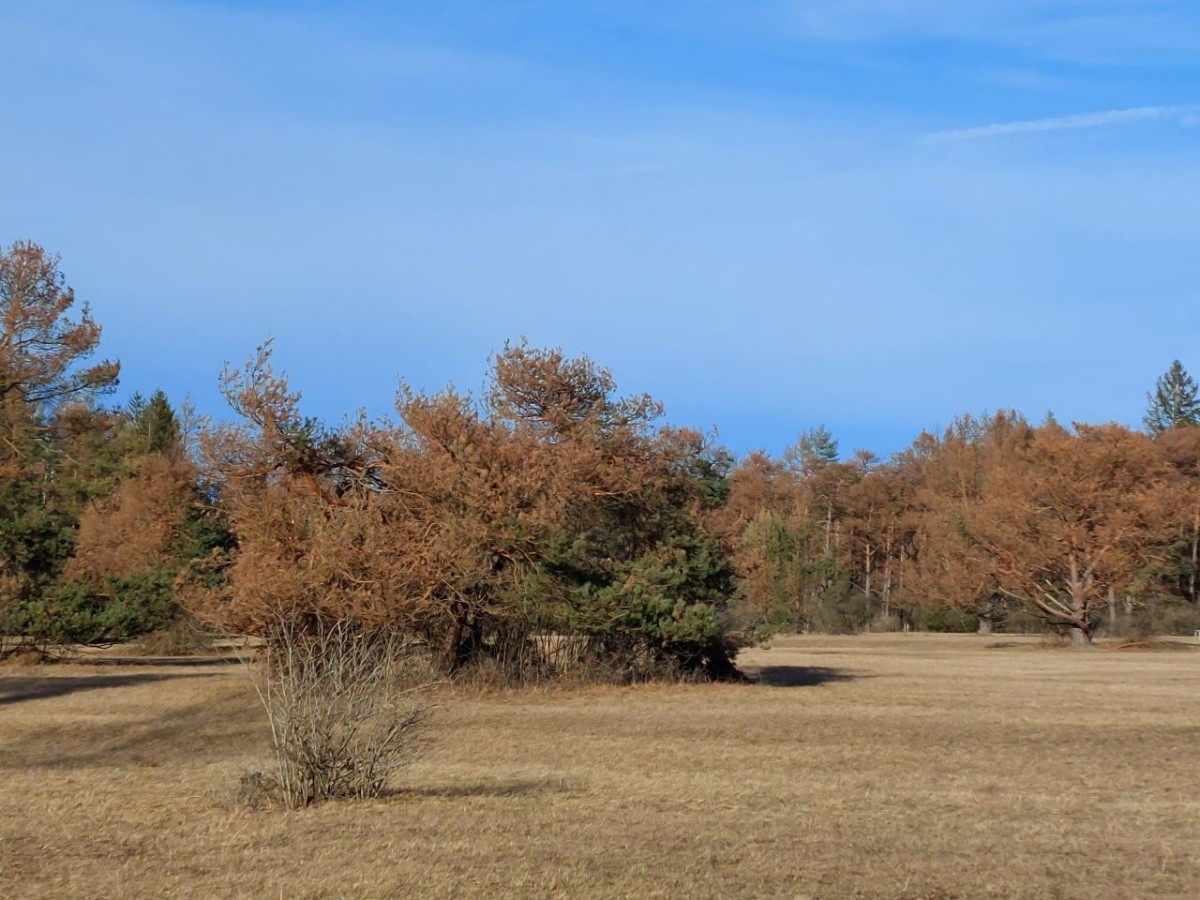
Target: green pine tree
[155,422]
[815,449]
[1173,402]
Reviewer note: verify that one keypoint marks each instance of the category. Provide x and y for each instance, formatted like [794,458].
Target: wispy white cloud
[1108,117]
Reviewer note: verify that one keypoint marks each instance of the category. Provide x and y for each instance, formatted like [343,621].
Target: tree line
[551,524]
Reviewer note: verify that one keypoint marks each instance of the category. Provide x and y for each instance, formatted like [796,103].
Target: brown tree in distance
[950,568]
[1066,517]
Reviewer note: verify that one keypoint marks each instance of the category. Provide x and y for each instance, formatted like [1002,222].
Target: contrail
[1064,123]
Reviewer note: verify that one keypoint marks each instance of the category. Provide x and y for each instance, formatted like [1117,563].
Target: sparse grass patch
[897,766]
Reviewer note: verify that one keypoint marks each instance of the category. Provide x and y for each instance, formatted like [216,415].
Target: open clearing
[877,766]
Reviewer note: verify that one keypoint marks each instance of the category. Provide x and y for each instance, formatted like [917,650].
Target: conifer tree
[815,449]
[155,423]
[43,371]
[1173,402]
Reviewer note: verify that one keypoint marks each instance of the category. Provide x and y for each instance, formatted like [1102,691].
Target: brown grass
[888,766]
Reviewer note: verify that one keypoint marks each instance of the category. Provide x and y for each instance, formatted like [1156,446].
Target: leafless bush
[183,637]
[346,709]
[885,623]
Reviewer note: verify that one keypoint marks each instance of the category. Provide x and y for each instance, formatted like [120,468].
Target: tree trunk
[887,574]
[984,626]
[457,648]
[868,555]
[451,647]
[1081,635]
[1195,558]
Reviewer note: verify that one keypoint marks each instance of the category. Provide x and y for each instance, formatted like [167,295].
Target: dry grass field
[877,766]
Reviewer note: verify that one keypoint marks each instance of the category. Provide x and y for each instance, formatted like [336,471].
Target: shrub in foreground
[345,708]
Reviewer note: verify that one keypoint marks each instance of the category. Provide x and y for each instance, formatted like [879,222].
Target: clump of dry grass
[184,636]
[23,656]
[878,767]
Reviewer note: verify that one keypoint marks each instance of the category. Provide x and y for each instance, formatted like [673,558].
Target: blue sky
[873,215]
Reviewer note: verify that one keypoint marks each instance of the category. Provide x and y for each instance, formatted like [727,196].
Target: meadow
[898,766]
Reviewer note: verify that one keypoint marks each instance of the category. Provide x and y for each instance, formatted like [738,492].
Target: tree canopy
[552,524]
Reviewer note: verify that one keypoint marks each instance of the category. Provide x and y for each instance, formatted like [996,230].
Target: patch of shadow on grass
[20,689]
[517,787]
[155,661]
[799,676]
[203,731]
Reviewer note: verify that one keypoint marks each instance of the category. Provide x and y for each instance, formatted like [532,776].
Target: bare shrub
[184,636]
[346,708]
[885,623]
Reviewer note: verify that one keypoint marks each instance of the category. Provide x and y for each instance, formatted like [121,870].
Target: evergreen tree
[815,449]
[156,424]
[1173,402]
[45,387]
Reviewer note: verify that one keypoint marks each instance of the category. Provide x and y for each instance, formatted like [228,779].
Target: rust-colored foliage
[1066,517]
[552,514]
[137,527]
[40,347]
[551,508]
[950,474]
[813,537]
[994,516]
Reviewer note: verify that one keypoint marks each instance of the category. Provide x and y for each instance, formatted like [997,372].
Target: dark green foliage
[709,472]
[1173,402]
[1021,621]
[945,619]
[37,538]
[796,584]
[70,468]
[90,454]
[1172,616]
[207,543]
[154,424]
[100,611]
[815,450]
[38,504]
[669,600]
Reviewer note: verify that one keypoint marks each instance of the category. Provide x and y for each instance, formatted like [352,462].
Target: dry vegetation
[899,766]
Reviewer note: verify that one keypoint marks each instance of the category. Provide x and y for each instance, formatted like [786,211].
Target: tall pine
[1173,402]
